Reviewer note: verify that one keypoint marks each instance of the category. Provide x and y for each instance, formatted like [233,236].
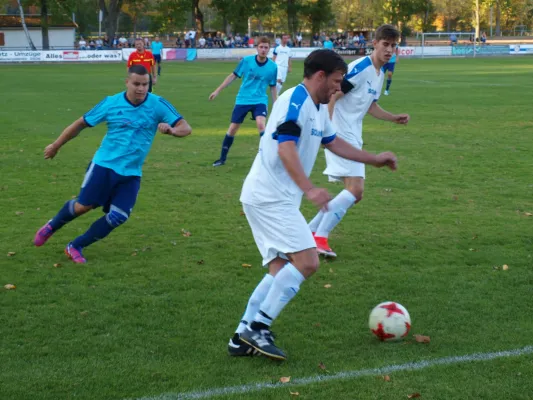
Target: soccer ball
[389,321]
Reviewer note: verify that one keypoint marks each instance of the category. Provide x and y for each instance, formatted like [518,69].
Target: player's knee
[116,217]
[312,266]
[80,209]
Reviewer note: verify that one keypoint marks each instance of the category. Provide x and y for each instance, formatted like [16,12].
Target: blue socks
[64,216]
[226,145]
[98,230]
[389,81]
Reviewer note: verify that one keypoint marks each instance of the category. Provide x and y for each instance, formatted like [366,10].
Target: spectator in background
[483,37]
[115,42]
[82,43]
[122,42]
[131,41]
[299,39]
[178,41]
[92,45]
[245,40]
[187,40]
[107,45]
[453,39]
[146,42]
[251,42]
[238,40]
[328,44]
[201,41]
[210,42]
[99,44]
[362,40]
[192,38]
[316,40]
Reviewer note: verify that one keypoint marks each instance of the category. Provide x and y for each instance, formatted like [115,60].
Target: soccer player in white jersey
[282,57]
[272,193]
[360,92]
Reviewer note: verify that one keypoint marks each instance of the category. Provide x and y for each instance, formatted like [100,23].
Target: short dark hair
[387,32]
[324,60]
[137,69]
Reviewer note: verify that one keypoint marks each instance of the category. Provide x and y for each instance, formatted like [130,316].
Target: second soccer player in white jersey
[359,95]
[272,192]
[282,57]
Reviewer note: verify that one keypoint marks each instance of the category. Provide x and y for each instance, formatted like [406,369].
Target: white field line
[412,366]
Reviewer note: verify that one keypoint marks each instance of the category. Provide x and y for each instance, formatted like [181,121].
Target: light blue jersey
[130,130]
[255,79]
[157,47]
[393,58]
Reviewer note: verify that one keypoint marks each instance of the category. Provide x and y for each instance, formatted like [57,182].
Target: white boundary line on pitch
[412,366]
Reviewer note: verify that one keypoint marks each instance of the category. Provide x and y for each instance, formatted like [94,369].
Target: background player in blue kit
[113,178]
[157,51]
[389,69]
[257,72]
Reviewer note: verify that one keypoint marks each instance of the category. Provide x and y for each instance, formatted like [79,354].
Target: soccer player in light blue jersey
[257,72]
[113,177]
[157,51]
[389,69]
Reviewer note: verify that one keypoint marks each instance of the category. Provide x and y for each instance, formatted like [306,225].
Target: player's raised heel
[237,348]
[74,254]
[43,235]
[219,163]
[263,341]
[322,247]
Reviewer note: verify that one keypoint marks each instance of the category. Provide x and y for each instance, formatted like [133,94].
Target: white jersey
[282,53]
[268,182]
[353,106]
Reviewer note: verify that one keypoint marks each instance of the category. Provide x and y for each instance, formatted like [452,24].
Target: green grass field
[152,311]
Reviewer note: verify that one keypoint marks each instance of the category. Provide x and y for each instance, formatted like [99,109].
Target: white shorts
[338,167]
[278,230]
[282,73]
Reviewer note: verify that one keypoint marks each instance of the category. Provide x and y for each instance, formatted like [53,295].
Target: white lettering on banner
[406,51]
[433,51]
[519,49]
[214,53]
[20,56]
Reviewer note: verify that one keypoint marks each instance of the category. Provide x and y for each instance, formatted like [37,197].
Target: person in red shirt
[145,58]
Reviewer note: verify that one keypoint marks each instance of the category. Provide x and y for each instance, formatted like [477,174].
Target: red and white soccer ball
[389,321]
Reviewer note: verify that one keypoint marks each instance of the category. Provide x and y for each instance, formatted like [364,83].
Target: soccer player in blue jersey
[113,177]
[157,51]
[389,69]
[257,72]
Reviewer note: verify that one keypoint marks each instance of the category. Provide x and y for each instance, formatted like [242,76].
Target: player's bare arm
[290,64]
[345,150]
[230,78]
[273,93]
[377,112]
[154,74]
[69,133]
[291,161]
[331,105]
[181,129]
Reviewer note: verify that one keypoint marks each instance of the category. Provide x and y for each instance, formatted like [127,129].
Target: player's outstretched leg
[236,347]
[285,286]
[64,216]
[97,231]
[337,209]
[389,82]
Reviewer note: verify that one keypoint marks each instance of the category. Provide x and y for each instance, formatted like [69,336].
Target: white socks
[278,87]
[286,285]
[255,301]
[313,225]
[337,209]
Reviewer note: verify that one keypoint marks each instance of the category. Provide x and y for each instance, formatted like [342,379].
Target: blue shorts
[157,58]
[103,187]
[240,111]
[389,67]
